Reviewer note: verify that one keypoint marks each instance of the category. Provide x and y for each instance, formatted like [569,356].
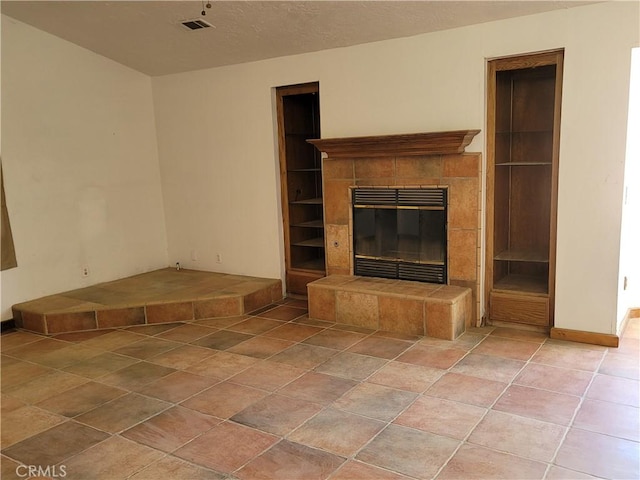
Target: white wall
[81,172]
[218,153]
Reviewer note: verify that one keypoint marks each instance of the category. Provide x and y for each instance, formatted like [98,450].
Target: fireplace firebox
[400,233]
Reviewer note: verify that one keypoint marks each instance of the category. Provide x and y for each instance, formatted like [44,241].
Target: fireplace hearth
[356,170]
[400,233]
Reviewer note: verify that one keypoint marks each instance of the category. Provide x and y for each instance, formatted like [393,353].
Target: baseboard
[604,339]
[7,325]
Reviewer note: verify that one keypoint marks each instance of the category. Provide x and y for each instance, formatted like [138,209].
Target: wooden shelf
[522,256]
[298,110]
[523,114]
[522,283]
[313,242]
[311,224]
[316,265]
[309,201]
[521,164]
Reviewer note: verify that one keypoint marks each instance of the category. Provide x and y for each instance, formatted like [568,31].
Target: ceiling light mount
[208,5]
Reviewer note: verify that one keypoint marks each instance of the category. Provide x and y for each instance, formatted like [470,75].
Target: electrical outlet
[85,271]
[194,255]
[218,258]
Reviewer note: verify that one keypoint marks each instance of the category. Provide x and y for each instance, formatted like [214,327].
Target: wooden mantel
[432,143]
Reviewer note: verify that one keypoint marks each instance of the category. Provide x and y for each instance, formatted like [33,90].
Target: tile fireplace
[413,164]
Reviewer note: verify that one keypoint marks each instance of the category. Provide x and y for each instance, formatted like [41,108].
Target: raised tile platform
[415,308]
[161,296]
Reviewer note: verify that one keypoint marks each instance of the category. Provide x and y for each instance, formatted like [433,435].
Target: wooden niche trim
[433,143]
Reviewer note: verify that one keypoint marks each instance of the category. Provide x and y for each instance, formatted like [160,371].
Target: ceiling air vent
[196,24]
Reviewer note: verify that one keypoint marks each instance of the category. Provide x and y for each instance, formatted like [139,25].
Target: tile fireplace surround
[436,159]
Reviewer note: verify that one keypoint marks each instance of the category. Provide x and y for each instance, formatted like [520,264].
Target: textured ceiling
[148,35]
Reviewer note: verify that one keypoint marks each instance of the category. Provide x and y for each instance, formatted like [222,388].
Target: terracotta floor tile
[100,365]
[375,401]
[489,367]
[569,357]
[293,332]
[177,386]
[353,470]
[18,338]
[518,334]
[629,346]
[556,379]
[152,330]
[113,340]
[268,375]
[9,404]
[442,417]
[147,348]
[539,404]
[599,455]
[226,447]
[296,302]
[479,463]
[18,372]
[336,339]
[559,473]
[115,458]
[615,389]
[255,325]
[318,388]
[626,366]
[137,375]
[224,400]
[220,323]
[277,414]
[405,376]
[435,357]
[222,365]
[32,351]
[261,347]
[288,460]
[9,469]
[407,451]
[304,356]
[67,356]
[351,365]
[176,469]
[521,436]
[621,421]
[24,422]
[81,399]
[122,413]
[56,444]
[45,386]
[182,357]
[380,347]
[79,337]
[507,348]
[222,340]
[467,389]
[187,332]
[338,432]
[285,312]
[171,429]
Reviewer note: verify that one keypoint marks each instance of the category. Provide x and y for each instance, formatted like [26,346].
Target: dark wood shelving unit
[523,131]
[301,185]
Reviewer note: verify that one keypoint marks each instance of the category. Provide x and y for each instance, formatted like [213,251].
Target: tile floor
[276,395]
